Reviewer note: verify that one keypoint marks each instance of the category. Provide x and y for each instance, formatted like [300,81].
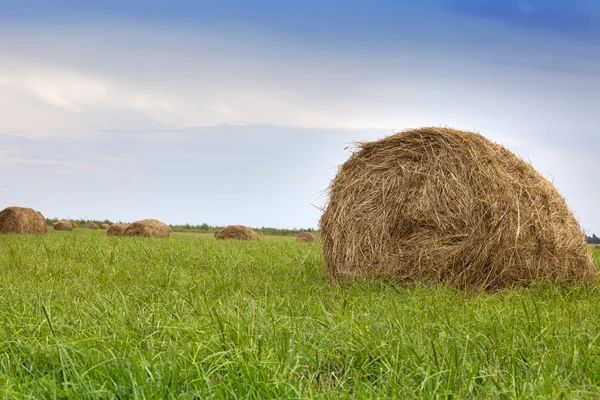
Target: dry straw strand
[148,228]
[22,220]
[236,232]
[116,229]
[305,237]
[63,226]
[444,205]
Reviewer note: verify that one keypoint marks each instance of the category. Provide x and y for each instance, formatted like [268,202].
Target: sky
[237,112]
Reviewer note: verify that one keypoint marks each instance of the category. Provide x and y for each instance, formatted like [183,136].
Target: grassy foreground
[84,315]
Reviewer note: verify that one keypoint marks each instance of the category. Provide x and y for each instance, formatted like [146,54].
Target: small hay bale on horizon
[105,226]
[148,228]
[91,225]
[236,232]
[22,220]
[116,229]
[63,226]
[305,237]
[440,205]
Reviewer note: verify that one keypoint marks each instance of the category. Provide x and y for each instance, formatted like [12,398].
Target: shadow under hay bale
[105,226]
[443,205]
[305,237]
[91,225]
[116,229]
[63,226]
[236,232]
[148,228]
[22,220]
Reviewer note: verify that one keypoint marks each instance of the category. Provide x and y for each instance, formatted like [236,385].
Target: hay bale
[54,224]
[105,226]
[148,228]
[91,225]
[22,220]
[116,229]
[63,226]
[443,205]
[236,232]
[74,224]
[216,233]
[305,237]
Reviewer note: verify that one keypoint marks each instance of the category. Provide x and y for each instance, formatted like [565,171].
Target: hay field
[87,315]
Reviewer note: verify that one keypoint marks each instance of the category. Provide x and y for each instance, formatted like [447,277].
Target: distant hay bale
[305,237]
[148,228]
[91,225]
[22,220]
[443,205]
[116,229]
[54,224]
[217,233]
[105,226]
[236,232]
[63,226]
[74,224]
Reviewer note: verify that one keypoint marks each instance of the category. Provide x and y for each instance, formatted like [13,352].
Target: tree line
[593,239]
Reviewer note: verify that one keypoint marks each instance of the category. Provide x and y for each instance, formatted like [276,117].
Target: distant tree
[593,239]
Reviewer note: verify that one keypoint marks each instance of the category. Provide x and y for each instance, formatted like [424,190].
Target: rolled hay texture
[91,225]
[22,220]
[148,228]
[444,205]
[236,232]
[116,229]
[105,226]
[63,226]
[305,237]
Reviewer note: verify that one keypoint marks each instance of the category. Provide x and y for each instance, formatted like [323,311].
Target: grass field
[90,316]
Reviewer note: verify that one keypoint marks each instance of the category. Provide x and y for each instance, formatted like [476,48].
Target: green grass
[90,316]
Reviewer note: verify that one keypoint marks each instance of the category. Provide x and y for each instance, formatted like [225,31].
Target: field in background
[87,316]
[203,228]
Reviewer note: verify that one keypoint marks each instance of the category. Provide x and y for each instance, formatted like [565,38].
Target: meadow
[85,315]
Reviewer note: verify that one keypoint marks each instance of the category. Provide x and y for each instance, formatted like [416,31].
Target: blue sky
[239,112]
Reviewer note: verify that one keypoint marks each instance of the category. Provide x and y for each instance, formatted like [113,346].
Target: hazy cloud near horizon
[242,117]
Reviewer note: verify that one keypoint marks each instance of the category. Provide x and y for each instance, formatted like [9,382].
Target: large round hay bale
[148,228]
[22,220]
[104,226]
[91,225]
[74,224]
[305,237]
[443,205]
[116,229]
[63,226]
[236,232]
